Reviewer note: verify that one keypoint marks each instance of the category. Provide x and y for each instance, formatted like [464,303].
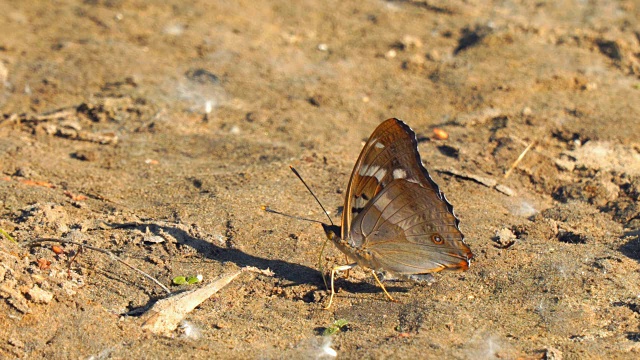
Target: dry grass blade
[515,163]
[6,234]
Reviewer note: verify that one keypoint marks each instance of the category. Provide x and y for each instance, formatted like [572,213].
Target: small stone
[552,354]
[174,29]
[505,236]
[221,324]
[47,128]
[527,111]
[315,100]
[434,55]
[411,42]
[154,239]
[25,172]
[202,76]
[85,155]
[16,342]
[391,54]
[440,134]
[257,116]
[566,165]
[69,288]
[39,296]
[4,74]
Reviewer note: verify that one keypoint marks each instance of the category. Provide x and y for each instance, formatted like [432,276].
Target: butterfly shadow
[365,286]
[293,272]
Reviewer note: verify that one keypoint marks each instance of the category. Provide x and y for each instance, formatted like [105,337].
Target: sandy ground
[157,132]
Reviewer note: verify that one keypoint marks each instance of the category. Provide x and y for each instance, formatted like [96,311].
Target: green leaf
[337,326]
[192,280]
[340,323]
[179,280]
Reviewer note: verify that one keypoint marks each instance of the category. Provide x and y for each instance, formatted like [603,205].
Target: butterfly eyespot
[437,239]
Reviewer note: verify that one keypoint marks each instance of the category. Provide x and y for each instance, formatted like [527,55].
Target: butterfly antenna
[312,194]
[324,244]
[269,210]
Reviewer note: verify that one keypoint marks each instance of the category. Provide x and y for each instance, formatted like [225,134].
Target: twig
[486,181]
[515,163]
[71,262]
[57,114]
[30,118]
[104,251]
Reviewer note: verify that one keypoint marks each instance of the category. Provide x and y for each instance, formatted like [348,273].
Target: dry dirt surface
[156,130]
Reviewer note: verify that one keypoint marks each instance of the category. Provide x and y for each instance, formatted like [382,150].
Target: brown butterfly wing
[389,171]
[408,229]
[391,145]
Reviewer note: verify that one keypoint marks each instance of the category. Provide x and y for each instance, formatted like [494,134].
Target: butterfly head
[332,231]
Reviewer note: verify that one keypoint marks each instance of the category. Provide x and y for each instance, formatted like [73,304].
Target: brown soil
[104,140]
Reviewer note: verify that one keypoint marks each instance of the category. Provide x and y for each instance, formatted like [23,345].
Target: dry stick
[515,163]
[71,262]
[104,251]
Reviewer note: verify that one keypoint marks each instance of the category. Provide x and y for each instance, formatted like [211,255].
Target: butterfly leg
[346,259]
[333,275]
[324,244]
[382,286]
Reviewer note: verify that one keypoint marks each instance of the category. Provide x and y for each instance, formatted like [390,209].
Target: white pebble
[39,296]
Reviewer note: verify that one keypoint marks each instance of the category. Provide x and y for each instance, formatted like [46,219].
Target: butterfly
[395,218]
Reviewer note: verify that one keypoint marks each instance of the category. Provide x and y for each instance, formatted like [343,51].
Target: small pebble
[4,74]
[411,42]
[39,296]
[505,236]
[434,55]
[440,134]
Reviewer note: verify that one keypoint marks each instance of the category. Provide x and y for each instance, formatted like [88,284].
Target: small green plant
[338,325]
[181,280]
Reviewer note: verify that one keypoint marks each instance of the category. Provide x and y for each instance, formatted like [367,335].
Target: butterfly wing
[394,209]
[392,145]
[408,229]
